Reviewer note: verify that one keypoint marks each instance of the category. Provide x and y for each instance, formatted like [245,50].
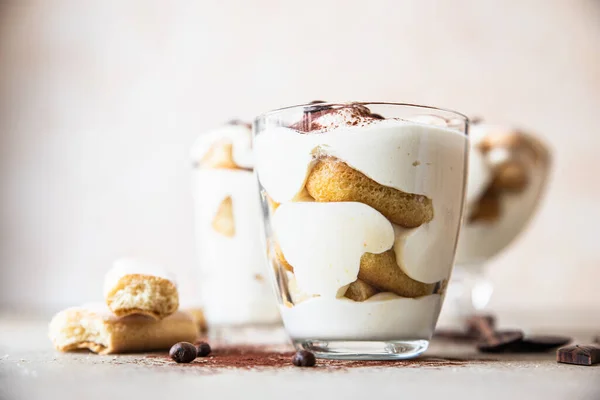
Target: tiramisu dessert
[363,210]
[508,171]
[233,283]
[507,174]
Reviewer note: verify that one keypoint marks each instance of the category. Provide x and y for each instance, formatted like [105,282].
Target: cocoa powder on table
[262,357]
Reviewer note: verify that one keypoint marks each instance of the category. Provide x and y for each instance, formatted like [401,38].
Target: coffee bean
[203,349]
[304,358]
[579,355]
[183,352]
[499,341]
[377,116]
[317,102]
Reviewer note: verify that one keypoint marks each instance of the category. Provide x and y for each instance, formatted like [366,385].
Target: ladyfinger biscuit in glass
[382,271]
[332,180]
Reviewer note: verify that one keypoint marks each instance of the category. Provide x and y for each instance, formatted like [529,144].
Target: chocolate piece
[579,355]
[537,344]
[492,341]
[183,352]
[540,343]
[500,341]
[304,358]
[475,320]
[203,349]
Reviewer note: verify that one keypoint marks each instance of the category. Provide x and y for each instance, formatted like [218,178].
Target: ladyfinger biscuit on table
[94,327]
[223,221]
[333,180]
[382,271]
[360,291]
[135,286]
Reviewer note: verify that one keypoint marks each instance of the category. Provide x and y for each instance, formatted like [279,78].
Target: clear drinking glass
[508,173]
[362,204]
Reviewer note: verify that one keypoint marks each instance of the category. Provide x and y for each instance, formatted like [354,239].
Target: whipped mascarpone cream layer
[384,316]
[324,241]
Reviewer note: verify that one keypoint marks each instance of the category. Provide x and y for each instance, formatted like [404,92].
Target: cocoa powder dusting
[263,357]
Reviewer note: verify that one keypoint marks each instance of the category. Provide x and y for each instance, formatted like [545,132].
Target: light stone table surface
[31,369]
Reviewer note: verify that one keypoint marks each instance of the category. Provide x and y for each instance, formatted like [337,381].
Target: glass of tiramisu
[508,172]
[233,284]
[362,205]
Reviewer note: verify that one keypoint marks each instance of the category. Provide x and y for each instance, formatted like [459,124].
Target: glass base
[362,350]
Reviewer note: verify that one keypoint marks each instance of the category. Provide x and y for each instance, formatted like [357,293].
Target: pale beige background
[101,100]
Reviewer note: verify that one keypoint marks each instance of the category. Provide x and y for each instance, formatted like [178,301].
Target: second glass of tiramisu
[508,174]
[233,286]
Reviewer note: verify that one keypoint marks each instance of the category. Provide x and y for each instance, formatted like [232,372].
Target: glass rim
[363,103]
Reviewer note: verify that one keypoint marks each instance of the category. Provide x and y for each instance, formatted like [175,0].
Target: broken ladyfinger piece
[383,272]
[135,286]
[94,327]
[360,291]
[219,155]
[511,176]
[223,221]
[281,259]
[227,147]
